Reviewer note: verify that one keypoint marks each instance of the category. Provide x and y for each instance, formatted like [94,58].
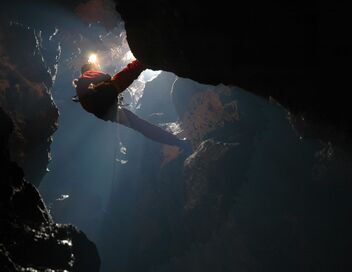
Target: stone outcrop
[203,109]
[289,51]
[29,239]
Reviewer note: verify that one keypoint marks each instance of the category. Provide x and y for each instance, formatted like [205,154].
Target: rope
[118,137]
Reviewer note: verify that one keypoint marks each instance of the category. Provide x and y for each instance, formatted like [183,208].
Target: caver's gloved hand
[126,76]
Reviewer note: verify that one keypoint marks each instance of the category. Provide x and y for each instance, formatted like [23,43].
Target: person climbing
[98,94]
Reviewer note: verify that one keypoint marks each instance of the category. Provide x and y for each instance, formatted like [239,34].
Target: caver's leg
[151,131]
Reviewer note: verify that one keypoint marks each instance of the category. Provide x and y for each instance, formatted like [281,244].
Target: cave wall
[289,51]
[28,68]
[236,209]
[29,238]
[252,196]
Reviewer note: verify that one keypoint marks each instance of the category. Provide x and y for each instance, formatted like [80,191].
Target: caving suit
[102,102]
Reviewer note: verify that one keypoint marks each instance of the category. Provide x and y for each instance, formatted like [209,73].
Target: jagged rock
[203,108]
[25,82]
[29,239]
[212,181]
[202,169]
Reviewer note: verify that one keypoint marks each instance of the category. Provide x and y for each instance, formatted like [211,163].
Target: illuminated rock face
[291,52]
[203,109]
[29,239]
[27,70]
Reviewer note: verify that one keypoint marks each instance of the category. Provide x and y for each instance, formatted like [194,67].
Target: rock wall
[29,239]
[252,196]
[289,51]
[28,65]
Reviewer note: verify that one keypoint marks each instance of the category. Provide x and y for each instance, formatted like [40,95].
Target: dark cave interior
[259,89]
